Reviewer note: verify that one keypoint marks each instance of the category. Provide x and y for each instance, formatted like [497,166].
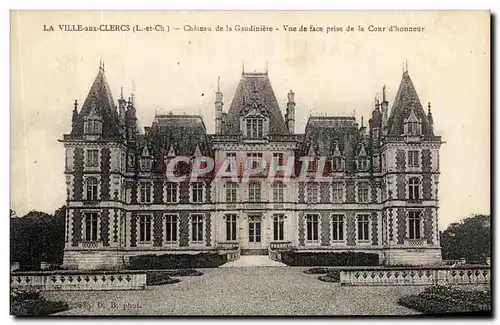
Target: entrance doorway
[254,231]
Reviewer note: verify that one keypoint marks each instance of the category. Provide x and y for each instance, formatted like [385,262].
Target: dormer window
[93,122]
[337,159]
[362,164]
[254,127]
[146,163]
[412,125]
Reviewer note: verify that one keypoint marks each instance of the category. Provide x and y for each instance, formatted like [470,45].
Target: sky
[331,74]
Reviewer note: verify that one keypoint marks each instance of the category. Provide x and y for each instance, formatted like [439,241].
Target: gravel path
[242,291]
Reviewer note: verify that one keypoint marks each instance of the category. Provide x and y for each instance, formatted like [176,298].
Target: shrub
[159,278]
[177,261]
[294,258]
[331,276]
[30,303]
[317,270]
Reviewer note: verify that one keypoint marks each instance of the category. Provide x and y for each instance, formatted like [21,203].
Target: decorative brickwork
[427,187]
[350,228]
[373,191]
[391,225]
[208,229]
[115,225]
[158,191]
[133,229]
[78,174]
[401,225]
[184,189]
[77,227]
[426,161]
[134,191]
[105,227]
[400,160]
[105,180]
[325,229]
[350,191]
[184,229]
[157,229]
[302,194]
[302,234]
[374,217]
[208,192]
[428,226]
[325,192]
[401,187]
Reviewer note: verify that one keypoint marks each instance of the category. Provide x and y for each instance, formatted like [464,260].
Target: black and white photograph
[250,163]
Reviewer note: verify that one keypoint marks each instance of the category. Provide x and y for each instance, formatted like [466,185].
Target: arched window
[92,188]
[414,188]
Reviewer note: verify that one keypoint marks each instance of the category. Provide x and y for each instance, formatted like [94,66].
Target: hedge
[294,258]
[30,303]
[177,261]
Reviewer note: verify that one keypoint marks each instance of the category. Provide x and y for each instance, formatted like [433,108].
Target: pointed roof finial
[267,67]
[243,67]
[406,65]
[361,121]
[121,93]
[132,95]
[218,84]
[429,107]
[383,94]
[102,66]
[76,104]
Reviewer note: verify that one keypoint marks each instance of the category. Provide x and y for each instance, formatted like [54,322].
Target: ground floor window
[197,228]
[91,226]
[414,224]
[231,227]
[278,227]
[254,229]
[144,228]
[312,227]
[337,227]
[363,227]
[171,228]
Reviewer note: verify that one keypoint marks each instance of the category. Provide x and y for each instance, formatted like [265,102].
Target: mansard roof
[181,133]
[406,101]
[326,133]
[254,88]
[99,101]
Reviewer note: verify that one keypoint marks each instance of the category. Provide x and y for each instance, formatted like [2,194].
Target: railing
[90,244]
[280,245]
[226,137]
[233,255]
[416,242]
[228,245]
[78,280]
[283,137]
[415,276]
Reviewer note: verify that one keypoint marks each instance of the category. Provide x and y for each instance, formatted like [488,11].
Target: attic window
[93,127]
[146,163]
[412,125]
[337,163]
[362,164]
[254,128]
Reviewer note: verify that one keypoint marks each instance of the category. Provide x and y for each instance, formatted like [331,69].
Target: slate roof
[323,133]
[100,94]
[254,85]
[406,99]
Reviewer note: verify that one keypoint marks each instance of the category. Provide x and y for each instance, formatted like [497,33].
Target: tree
[469,238]
[38,237]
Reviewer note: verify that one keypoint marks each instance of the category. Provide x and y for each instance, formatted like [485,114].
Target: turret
[218,108]
[384,108]
[290,112]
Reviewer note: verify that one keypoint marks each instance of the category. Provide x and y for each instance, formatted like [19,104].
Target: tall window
[413,158]
[278,158]
[414,188]
[231,227]
[337,192]
[171,192]
[278,227]
[255,128]
[92,158]
[146,164]
[144,228]
[413,128]
[363,190]
[254,159]
[197,228]
[91,226]
[337,164]
[254,229]
[197,192]
[337,227]
[229,156]
[254,192]
[362,164]
[171,228]
[414,224]
[92,188]
[312,228]
[363,227]
[145,192]
[278,189]
[231,192]
[313,164]
[312,192]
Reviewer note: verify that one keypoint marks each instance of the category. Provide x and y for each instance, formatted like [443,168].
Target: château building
[377,192]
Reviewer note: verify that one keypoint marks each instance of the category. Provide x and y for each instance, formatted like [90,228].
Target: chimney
[290,112]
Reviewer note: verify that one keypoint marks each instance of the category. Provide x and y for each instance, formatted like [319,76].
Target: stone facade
[377,192]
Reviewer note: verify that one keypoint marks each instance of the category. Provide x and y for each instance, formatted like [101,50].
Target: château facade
[367,188]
